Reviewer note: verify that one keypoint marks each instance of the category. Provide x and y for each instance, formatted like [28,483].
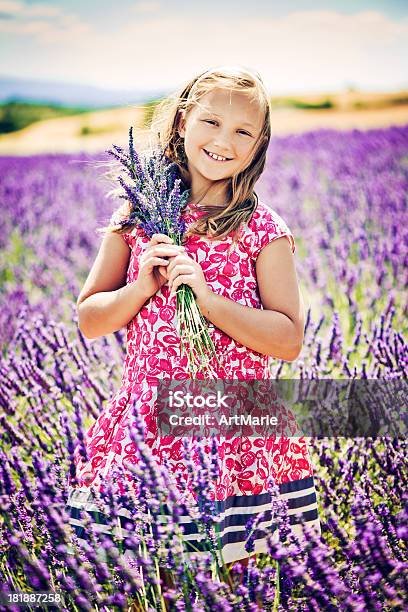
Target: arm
[106,303]
[277,330]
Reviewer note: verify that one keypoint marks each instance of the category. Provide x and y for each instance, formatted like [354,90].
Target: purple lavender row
[344,197]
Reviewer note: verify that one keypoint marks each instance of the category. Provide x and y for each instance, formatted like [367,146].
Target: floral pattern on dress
[153,353]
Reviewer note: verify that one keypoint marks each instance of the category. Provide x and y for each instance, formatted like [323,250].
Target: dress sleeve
[266,227]
[118,215]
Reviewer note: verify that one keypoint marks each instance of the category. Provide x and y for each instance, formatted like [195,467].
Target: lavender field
[344,196]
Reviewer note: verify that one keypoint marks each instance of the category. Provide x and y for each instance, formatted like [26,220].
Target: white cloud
[14,8]
[11,7]
[299,51]
[44,22]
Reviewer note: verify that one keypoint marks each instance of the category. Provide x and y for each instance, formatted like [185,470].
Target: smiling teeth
[218,157]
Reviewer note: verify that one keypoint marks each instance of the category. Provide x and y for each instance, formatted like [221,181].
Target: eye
[212,121]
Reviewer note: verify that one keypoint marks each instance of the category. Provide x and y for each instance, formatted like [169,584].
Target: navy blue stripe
[309,515]
[228,521]
[243,501]
[300,502]
[192,528]
[296,485]
[234,537]
[228,538]
[237,500]
[98,517]
[241,520]
[238,520]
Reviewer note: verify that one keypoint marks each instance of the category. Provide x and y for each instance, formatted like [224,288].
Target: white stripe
[303,509]
[233,511]
[105,529]
[301,493]
[93,508]
[232,529]
[298,530]
[99,528]
[196,537]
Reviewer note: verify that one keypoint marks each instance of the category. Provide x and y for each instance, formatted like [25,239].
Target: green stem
[193,331]
[276,600]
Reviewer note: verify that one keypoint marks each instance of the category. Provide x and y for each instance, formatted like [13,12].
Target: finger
[175,264]
[163,271]
[168,250]
[183,278]
[178,259]
[177,270]
[163,239]
[156,238]
[155,261]
[174,249]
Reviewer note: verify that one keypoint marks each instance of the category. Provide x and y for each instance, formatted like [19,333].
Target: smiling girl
[238,257]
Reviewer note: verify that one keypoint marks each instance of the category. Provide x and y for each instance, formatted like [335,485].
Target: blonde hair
[241,202]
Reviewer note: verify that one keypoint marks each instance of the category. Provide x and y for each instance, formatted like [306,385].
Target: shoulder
[118,215]
[266,216]
[265,226]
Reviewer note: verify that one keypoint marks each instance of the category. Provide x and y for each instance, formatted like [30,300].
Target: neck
[213,193]
[201,204]
[207,199]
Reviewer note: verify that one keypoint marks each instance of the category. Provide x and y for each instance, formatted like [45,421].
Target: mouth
[219,161]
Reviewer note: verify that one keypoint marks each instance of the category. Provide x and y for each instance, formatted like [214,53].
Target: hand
[153,263]
[183,269]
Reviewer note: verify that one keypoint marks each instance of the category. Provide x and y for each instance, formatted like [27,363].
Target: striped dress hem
[232,516]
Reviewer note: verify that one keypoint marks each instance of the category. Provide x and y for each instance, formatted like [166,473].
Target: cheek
[200,137]
[196,132]
[194,142]
[246,147]
[247,152]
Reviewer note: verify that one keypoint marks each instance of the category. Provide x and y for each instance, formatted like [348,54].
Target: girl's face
[226,123]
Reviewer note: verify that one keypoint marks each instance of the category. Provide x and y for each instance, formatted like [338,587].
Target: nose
[222,147]
[222,144]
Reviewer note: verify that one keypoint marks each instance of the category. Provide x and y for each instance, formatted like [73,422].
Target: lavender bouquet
[156,206]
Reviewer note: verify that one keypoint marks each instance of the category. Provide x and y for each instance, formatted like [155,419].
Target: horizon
[318,92]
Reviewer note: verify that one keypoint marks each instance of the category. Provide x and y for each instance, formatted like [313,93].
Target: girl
[238,259]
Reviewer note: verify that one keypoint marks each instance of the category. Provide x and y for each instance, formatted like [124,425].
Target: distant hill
[70,94]
[16,116]
[33,128]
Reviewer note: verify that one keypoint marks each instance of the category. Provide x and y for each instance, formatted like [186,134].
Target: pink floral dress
[154,353]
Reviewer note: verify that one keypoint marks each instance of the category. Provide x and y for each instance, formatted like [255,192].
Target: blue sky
[296,46]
